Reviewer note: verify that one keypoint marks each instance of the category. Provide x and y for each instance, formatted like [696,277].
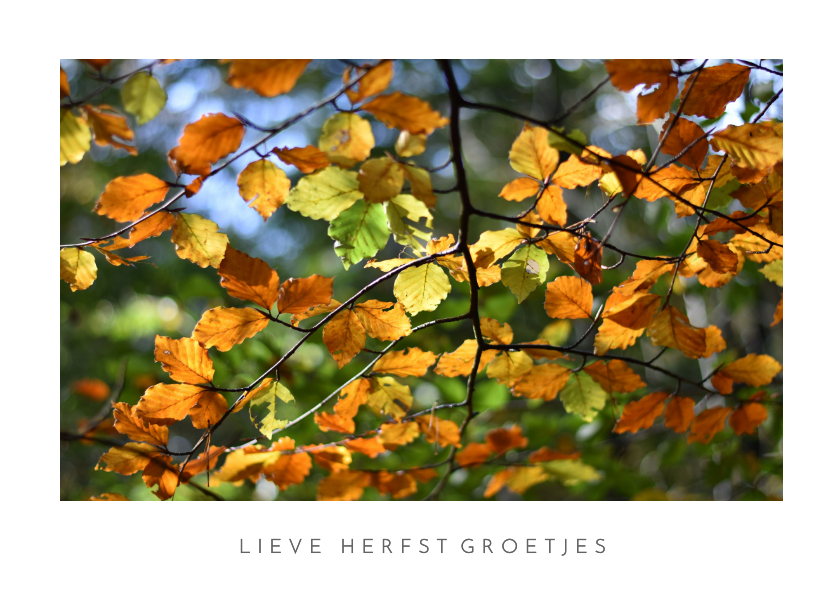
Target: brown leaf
[707,424]
[683,133]
[268,78]
[614,376]
[626,74]
[249,278]
[502,440]
[747,418]
[641,414]
[588,254]
[65,92]
[637,312]
[655,105]
[777,316]
[205,142]
[679,414]
[288,470]
[714,88]
[154,226]
[671,329]
[344,337]
[719,256]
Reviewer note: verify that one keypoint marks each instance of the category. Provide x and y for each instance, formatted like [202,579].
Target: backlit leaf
[532,155]
[642,413]
[583,396]
[186,360]
[223,328]
[381,323]
[78,268]
[359,232]
[655,105]
[625,74]
[707,424]
[263,406]
[205,142]
[143,97]
[346,139]
[614,376]
[714,87]
[126,198]
[388,396]
[344,337]
[165,403]
[306,159]
[199,240]
[127,422]
[325,194]
[75,137]
[543,381]
[380,179]
[746,418]
[421,288]
[263,186]
[568,297]
[460,362]
[750,145]
[405,112]
[518,276]
[679,414]
[671,329]
[248,278]
[268,78]
[412,362]
[297,296]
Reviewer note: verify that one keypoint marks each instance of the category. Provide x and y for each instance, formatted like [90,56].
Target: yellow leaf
[568,297]
[405,112]
[750,145]
[753,369]
[344,337]
[268,78]
[325,194]
[551,207]
[395,435]
[496,332]
[409,145]
[460,362]
[380,179]
[387,396]
[205,142]
[345,485]
[264,185]
[382,324]
[532,155]
[223,328]
[186,360]
[412,362]
[671,329]
[508,367]
[614,376]
[346,139]
[421,288]
[78,268]
[74,136]
[612,336]
[248,278]
[199,240]
[375,80]
[126,198]
[560,244]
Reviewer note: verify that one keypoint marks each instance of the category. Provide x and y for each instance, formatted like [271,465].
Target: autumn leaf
[109,497]
[753,369]
[186,360]
[345,485]
[268,78]
[679,414]
[749,145]
[543,381]
[526,269]
[683,133]
[151,227]
[380,322]
[473,454]
[344,337]
[128,423]
[387,396]
[520,189]
[248,278]
[75,137]
[198,240]
[641,414]
[571,472]
[636,312]
[587,263]
[568,297]
[205,142]
[625,74]
[296,296]
[575,172]
[126,198]
[551,207]
[128,459]
[497,333]
[671,329]
[208,410]
[532,155]
[264,187]
[656,104]
[369,447]
[374,80]
[325,194]
[65,86]
[223,328]
[94,389]
[346,139]
[508,367]
[354,395]
[614,376]
[713,88]
[166,403]
[501,242]
[380,179]
[405,112]
[583,396]
[460,362]
[421,288]
[544,454]
[746,418]
[412,362]
[409,145]
[263,405]
[777,316]
[502,440]
[143,97]
[109,128]
[78,268]
[334,422]
[439,431]
[287,470]
[396,435]
[707,424]
[306,159]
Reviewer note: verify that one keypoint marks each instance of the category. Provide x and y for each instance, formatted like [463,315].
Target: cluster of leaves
[367,201]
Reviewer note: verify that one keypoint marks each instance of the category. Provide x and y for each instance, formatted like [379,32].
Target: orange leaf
[327,421]
[460,362]
[298,295]
[205,142]
[679,414]
[109,128]
[332,459]
[440,431]
[154,226]
[288,470]
[379,323]
[543,381]
[671,329]
[268,78]
[574,172]
[502,440]
[547,454]
[714,88]
[614,376]
[127,422]
[625,74]
[346,485]
[264,186]
[249,278]
[747,417]
[654,106]
[223,328]
[640,414]
[395,435]
[374,81]
[95,389]
[472,455]
[65,86]
[398,485]
[777,316]
[568,297]
[166,404]
[752,369]
[520,189]
[588,254]
[497,333]
[405,112]
[344,337]
[412,362]
[355,395]
[208,410]
[707,424]
[126,198]
[186,360]
[683,133]
[551,207]
[370,447]
[636,312]
[306,159]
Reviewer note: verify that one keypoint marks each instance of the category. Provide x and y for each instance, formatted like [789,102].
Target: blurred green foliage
[113,323]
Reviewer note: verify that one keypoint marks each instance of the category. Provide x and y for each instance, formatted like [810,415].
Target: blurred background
[108,330]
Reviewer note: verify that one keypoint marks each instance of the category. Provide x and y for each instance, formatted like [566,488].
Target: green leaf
[406,207]
[525,270]
[421,288]
[562,144]
[722,195]
[325,194]
[571,471]
[359,232]
[143,97]
[773,272]
[263,407]
[583,396]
